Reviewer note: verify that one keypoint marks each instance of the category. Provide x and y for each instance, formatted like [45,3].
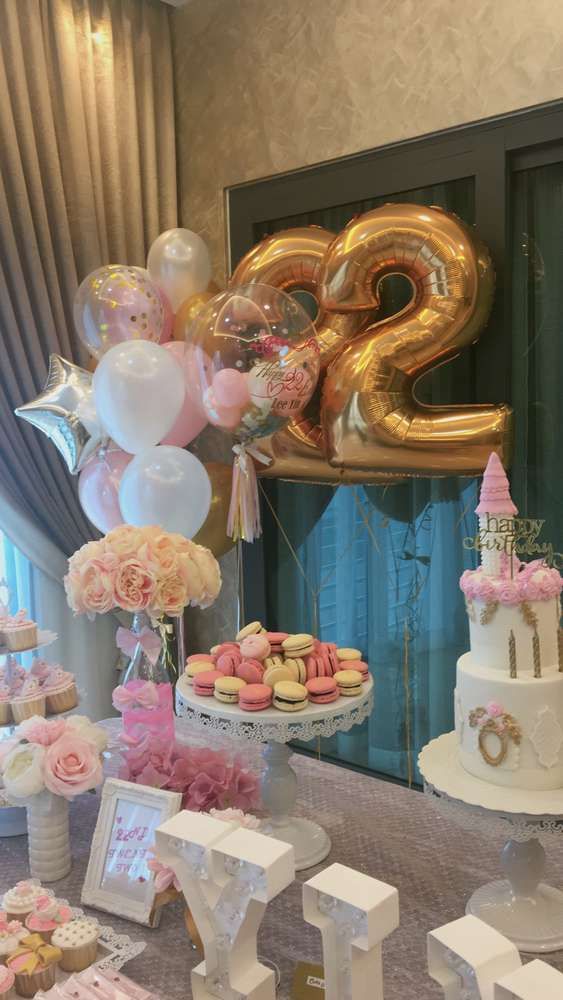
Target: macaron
[360,666]
[204,683]
[349,654]
[298,645]
[328,653]
[297,667]
[254,628]
[273,661]
[255,647]
[322,690]
[275,639]
[199,667]
[290,697]
[225,647]
[250,671]
[227,663]
[255,697]
[227,689]
[349,682]
[276,674]
[316,666]
[200,658]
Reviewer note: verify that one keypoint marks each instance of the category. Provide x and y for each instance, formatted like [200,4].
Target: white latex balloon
[179,263]
[139,392]
[166,486]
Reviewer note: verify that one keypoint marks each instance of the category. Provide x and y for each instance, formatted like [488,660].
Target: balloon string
[406,684]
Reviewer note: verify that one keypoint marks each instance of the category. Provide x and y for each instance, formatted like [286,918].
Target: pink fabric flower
[72,766]
[41,731]
[164,876]
[494,709]
[135,586]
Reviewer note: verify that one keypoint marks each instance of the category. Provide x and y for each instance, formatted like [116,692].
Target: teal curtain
[378,567]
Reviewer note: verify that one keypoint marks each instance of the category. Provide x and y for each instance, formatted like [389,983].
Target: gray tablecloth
[387,831]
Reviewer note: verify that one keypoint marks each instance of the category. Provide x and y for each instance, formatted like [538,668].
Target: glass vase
[151,661]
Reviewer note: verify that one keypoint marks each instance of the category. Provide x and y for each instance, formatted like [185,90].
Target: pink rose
[171,595]
[509,592]
[42,731]
[494,709]
[165,553]
[97,577]
[72,766]
[134,586]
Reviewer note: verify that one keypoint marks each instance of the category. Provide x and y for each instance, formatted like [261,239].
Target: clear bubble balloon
[117,303]
[258,359]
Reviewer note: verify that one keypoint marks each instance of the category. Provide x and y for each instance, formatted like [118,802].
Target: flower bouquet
[47,763]
[151,573]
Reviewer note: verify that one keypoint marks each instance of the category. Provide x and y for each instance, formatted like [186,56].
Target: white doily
[274,726]
[119,948]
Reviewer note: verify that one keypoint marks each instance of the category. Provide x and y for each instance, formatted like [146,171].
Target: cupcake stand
[276,729]
[521,906]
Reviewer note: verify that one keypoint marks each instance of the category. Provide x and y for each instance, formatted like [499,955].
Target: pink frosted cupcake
[19,632]
[19,901]
[5,710]
[59,688]
[47,914]
[28,701]
[7,980]
[11,933]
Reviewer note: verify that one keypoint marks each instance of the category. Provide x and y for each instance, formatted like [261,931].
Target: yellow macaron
[198,667]
[276,674]
[289,696]
[349,682]
[348,654]
[227,689]
[297,667]
[298,645]
[273,661]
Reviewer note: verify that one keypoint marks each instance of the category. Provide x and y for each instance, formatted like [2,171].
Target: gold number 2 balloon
[373,429]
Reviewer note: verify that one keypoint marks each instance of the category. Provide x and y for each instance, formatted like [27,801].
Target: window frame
[490,151]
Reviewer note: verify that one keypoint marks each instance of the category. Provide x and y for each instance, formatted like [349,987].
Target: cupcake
[19,632]
[29,701]
[78,941]
[47,914]
[5,710]
[19,901]
[11,933]
[34,965]
[7,980]
[59,689]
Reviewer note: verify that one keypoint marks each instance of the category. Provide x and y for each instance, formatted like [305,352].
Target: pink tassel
[244,512]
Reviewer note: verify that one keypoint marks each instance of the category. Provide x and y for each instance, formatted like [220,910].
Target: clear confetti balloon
[117,303]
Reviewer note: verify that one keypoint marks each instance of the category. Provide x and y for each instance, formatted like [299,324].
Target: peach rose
[72,766]
[92,550]
[134,586]
[125,541]
[172,595]
[73,590]
[97,578]
[165,553]
[210,573]
[189,570]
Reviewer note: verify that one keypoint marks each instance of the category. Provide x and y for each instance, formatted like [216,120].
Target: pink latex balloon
[226,417]
[230,388]
[192,418]
[98,487]
[168,318]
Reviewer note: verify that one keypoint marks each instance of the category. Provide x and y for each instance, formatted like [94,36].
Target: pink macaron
[250,671]
[255,697]
[360,666]
[275,639]
[322,690]
[226,647]
[204,683]
[200,658]
[315,665]
[328,652]
[227,663]
[255,647]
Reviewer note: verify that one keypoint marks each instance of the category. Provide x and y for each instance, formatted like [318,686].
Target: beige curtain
[87,176]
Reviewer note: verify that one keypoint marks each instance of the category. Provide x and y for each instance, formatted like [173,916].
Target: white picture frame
[119,849]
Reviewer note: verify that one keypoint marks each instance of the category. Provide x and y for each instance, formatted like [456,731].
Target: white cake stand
[276,729]
[521,906]
[44,638]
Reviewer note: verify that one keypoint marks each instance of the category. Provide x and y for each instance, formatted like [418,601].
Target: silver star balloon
[65,411]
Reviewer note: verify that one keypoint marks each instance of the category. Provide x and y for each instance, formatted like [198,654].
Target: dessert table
[392,833]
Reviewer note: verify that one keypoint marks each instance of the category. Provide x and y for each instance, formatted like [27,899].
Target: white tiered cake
[509,694]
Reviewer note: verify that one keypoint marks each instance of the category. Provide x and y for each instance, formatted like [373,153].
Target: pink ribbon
[146,696]
[127,640]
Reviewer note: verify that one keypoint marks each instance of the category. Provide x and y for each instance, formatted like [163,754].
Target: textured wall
[270,85]
[264,86]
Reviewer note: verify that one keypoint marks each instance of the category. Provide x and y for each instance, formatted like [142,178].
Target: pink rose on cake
[41,731]
[72,766]
[494,709]
[509,592]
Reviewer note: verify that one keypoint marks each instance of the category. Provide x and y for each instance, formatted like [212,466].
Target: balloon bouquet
[247,363]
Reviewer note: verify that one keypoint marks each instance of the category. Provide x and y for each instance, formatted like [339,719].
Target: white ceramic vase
[48,837]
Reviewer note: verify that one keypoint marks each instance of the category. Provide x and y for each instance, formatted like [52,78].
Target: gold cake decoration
[494,721]
[488,612]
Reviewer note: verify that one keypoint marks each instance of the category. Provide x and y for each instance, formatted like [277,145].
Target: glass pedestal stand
[275,729]
[521,906]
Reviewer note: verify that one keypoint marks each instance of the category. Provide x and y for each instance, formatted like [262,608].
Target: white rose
[23,771]
[88,731]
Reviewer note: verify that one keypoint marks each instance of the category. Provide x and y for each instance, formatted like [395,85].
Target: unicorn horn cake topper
[496,511]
